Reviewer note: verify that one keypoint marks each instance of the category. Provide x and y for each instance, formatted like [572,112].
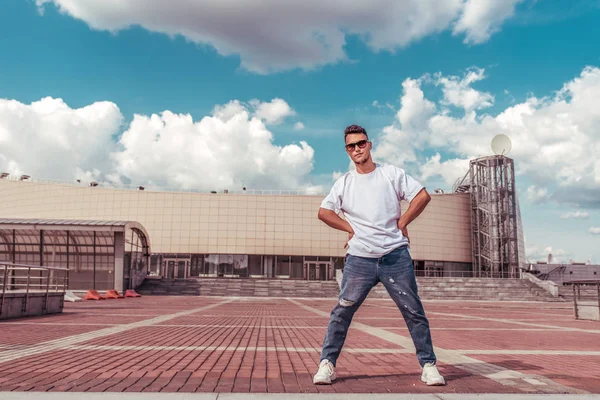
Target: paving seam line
[508,321]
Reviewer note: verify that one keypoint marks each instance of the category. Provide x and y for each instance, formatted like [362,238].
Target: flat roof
[216,191]
[71,225]
[74,222]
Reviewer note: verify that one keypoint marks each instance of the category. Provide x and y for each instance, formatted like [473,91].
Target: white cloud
[49,138]
[481,18]
[226,150]
[449,170]
[415,110]
[274,35]
[575,215]
[536,194]
[398,141]
[458,92]
[555,139]
[298,126]
[274,112]
[380,106]
[393,146]
[540,253]
[595,230]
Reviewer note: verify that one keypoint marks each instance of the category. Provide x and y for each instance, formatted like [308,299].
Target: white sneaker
[431,376]
[325,374]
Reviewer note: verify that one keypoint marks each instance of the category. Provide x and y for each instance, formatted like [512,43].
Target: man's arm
[416,207]
[334,220]
[333,201]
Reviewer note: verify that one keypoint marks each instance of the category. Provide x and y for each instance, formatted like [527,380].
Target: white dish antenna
[501,144]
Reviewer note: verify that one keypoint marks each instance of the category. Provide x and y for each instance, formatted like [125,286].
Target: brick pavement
[272,345]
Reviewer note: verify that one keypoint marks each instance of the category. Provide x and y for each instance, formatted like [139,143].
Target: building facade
[241,234]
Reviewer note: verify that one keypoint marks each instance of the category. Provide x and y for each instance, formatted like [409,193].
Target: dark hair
[355,129]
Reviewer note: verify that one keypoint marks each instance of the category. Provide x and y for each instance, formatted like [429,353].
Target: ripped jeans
[395,271]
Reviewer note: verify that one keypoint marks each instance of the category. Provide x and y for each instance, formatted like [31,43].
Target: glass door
[313,271]
[183,269]
[318,271]
[176,269]
[170,273]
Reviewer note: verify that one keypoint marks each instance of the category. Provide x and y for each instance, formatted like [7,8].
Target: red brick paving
[207,336]
[439,323]
[251,328]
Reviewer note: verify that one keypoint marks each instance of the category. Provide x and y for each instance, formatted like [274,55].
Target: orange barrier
[93,295]
[131,293]
[113,294]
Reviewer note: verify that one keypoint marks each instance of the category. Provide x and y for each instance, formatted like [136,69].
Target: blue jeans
[395,271]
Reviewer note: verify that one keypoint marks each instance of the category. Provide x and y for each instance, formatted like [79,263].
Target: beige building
[240,234]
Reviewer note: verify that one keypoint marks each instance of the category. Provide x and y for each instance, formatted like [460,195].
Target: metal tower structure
[495,219]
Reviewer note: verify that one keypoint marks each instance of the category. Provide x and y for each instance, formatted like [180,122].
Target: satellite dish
[501,144]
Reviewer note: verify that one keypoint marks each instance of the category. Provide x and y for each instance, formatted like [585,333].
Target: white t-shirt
[371,205]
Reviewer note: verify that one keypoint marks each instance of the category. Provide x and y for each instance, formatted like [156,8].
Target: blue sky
[74,73]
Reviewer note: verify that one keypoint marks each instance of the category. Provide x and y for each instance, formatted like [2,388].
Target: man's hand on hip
[350,235]
[404,230]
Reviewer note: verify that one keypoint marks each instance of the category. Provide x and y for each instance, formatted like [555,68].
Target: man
[377,250]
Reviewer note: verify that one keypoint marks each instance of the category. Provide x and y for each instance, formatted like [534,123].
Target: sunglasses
[361,145]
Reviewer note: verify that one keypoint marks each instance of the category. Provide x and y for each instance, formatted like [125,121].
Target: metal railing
[462,183]
[418,274]
[157,188]
[316,191]
[433,273]
[590,295]
[24,278]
